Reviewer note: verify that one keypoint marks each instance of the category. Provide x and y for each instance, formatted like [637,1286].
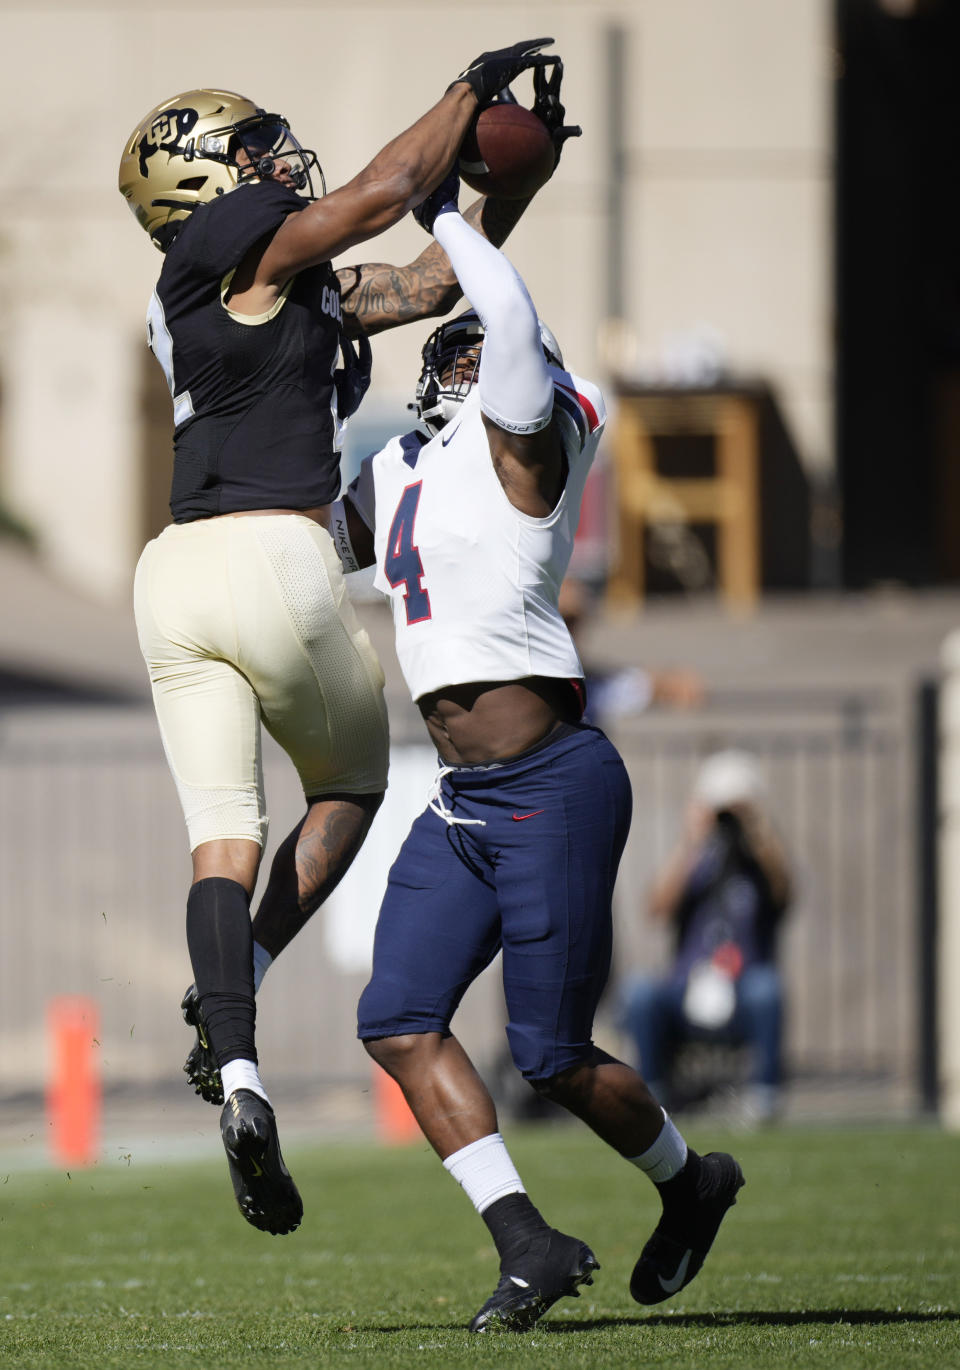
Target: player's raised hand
[491,71]
[547,106]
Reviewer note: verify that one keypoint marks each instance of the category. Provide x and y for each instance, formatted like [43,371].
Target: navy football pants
[535,880]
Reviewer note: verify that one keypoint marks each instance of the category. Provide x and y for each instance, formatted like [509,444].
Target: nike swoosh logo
[519,817]
[444,441]
[256,1167]
[672,1285]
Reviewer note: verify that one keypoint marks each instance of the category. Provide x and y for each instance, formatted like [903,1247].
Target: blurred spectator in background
[628,689]
[724,890]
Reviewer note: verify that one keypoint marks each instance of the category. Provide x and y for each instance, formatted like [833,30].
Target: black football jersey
[254,401]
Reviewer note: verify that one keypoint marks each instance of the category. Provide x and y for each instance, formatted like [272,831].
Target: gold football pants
[243,619]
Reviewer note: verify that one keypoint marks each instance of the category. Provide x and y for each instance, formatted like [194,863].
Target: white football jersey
[472,581]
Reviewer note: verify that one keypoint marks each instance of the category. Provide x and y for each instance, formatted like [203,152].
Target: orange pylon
[74,1092]
[395,1122]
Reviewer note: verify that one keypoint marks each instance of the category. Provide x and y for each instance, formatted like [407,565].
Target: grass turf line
[843,1251]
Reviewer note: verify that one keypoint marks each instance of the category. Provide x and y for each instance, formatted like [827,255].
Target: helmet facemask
[451,364]
[264,141]
[451,361]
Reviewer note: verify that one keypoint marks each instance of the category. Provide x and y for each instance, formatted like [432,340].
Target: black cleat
[200,1067]
[684,1235]
[266,1195]
[549,1269]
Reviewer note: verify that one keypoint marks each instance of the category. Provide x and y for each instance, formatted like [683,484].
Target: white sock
[484,1170]
[262,961]
[242,1075]
[666,1157]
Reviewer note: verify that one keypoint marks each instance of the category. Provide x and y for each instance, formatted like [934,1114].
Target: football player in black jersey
[240,603]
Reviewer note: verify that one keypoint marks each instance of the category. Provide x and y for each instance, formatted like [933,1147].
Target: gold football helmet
[184,154]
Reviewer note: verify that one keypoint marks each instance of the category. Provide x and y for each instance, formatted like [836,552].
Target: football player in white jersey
[518,848]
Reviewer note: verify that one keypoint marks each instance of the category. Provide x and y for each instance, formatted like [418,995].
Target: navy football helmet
[451,360]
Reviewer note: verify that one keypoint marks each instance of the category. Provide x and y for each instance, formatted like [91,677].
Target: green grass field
[844,1250]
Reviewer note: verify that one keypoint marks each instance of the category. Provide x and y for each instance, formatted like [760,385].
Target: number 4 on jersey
[402,564]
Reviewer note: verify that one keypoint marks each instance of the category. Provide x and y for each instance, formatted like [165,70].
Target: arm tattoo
[378,296]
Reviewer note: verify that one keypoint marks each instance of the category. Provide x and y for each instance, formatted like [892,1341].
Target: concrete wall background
[726,194]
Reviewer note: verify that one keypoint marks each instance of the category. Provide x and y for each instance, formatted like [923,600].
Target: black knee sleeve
[220,941]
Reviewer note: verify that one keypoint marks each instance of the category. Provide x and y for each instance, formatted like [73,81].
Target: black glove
[445,193]
[547,106]
[352,380]
[491,71]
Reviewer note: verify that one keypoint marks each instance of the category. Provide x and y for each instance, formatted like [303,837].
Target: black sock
[513,1222]
[682,1187]
[220,940]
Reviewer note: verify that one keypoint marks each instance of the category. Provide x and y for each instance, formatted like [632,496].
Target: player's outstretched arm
[515,383]
[379,295]
[400,175]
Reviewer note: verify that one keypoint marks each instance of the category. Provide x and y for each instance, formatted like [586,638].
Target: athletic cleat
[683,1236]
[532,1283]
[201,1067]
[266,1195]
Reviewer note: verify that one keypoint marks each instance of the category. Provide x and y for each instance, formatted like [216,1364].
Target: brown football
[507,151]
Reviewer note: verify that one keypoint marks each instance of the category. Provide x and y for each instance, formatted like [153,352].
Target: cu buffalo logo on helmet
[165,133]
